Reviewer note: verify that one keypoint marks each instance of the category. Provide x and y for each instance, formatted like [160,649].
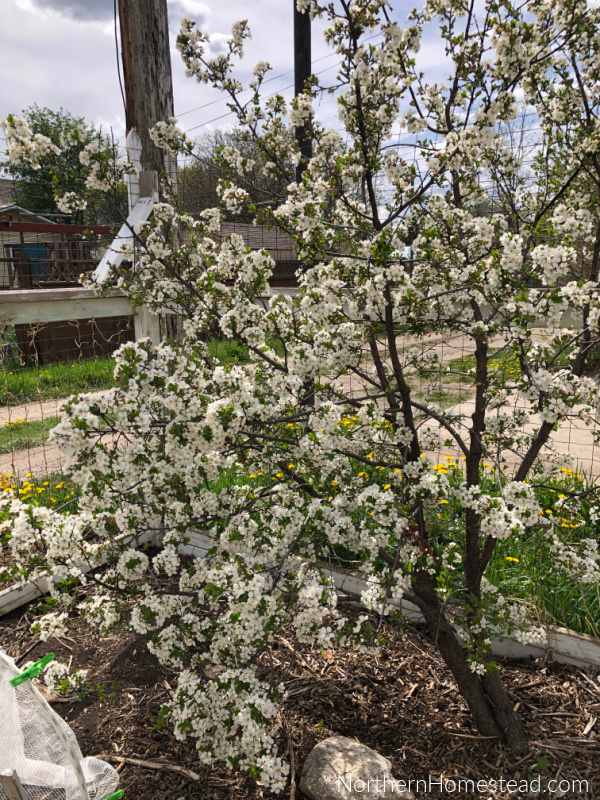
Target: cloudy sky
[62,53]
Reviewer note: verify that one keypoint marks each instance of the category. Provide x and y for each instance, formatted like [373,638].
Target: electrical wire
[115,16]
[273,78]
[262,97]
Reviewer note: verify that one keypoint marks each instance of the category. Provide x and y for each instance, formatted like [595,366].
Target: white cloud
[191,8]
[62,53]
[82,10]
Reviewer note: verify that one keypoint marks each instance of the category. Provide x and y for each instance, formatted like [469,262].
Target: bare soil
[403,703]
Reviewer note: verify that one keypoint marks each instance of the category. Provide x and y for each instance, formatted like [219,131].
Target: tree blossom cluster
[101,169]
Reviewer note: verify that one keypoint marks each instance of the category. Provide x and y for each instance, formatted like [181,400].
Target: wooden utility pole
[148,99]
[148,83]
[302,72]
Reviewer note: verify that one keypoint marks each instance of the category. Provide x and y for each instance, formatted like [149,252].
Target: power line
[118,57]
[262,97]
[273,78]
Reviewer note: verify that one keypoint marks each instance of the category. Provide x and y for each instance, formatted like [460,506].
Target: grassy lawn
[23,434]
[229,351]
[444,398]
[523,567]
[30,382]
[46,490]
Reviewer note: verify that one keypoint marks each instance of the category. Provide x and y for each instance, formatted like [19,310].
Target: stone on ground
[342,769]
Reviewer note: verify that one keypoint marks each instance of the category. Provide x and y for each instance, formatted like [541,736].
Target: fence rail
[22,306]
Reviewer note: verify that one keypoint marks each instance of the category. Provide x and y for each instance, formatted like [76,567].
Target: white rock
[342,769]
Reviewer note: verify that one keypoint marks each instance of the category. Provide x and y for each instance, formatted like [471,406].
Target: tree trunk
[485,695]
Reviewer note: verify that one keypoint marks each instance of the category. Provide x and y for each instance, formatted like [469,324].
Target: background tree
[36,188]
[199,179]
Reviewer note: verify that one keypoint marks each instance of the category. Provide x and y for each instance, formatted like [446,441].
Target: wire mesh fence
[42,363]
[38,254]
[34,385]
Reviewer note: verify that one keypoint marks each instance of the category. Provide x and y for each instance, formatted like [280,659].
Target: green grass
[22,384]
[33,382]
[51,491]
[229,351]
[523,568]
[505,363]
[21,435]
[234,351]
[445,398]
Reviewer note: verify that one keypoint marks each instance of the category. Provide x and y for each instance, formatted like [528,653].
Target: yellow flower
[443,502]
[362,474]
[252,476]
[52,500]
[449,458]
[387,486]
[548,511]
[29,475]
[370,455]
[290,466]
[280,474]
[334,483]
[510,558]
[46,483]
[59,486]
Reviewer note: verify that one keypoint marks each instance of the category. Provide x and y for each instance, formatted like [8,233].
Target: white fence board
[30,306]
[17,595]
[114,254]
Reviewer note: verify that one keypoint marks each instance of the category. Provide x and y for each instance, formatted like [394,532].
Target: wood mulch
[403,703]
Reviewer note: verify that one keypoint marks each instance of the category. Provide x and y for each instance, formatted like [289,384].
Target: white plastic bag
[42,749]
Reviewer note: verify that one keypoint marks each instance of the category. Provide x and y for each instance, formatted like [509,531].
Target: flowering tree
[320,446]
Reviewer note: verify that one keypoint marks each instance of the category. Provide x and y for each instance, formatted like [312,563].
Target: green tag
[116,795]
[32,671]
